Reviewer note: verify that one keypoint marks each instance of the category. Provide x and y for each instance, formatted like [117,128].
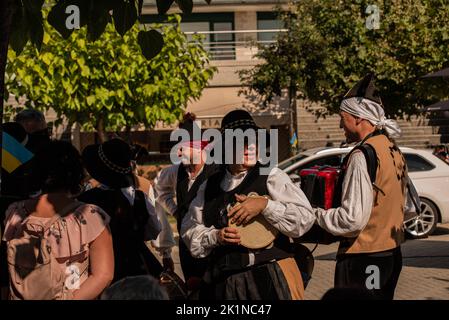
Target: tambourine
[258,233]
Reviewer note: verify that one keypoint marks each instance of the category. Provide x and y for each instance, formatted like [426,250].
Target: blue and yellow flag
[14,154]
[294,140]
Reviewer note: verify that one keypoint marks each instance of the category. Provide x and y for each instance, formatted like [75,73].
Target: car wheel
[425,224]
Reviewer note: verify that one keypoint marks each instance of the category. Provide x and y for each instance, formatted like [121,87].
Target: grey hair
[143,287]
[29,114]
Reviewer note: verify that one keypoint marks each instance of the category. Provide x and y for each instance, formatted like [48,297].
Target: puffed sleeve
[13,219]
[199,239]
[289,211]
[92,221]
[166,188]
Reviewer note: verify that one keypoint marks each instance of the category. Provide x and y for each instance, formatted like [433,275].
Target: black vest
[371,162]
[184,195]
[216,200]
[233,258]
[128,224]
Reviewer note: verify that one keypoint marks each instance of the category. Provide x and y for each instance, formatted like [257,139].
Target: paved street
[425,274]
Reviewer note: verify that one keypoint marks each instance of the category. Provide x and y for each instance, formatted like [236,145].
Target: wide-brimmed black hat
[238,119]
[110,163]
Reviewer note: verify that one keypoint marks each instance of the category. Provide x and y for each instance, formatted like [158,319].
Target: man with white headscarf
[373,197]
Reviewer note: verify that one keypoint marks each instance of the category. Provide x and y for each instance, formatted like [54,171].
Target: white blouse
[289,211]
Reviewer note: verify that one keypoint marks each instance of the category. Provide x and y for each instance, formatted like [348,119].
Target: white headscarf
[371,111]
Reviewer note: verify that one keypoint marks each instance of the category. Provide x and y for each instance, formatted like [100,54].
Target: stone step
[420,121]
[320,132]
[434,138]
[315,120]
[317,127]
[308,128]
[424,122]
[417,132]
[401,123]
[308,144]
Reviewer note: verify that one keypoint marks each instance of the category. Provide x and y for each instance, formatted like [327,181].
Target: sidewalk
[425,272]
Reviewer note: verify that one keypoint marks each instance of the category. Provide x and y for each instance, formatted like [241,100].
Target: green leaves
[96,14]
[151,43]
[27,24]
[110,78]
[163,5]
[125,16]
[185,5]
[328,48]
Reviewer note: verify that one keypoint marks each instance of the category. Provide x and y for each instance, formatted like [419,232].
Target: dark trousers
[359,271]
[191,267]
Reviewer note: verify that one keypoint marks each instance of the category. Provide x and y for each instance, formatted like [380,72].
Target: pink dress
[70,238]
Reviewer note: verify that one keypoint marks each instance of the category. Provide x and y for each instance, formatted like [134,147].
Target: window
[223,26]
[268,21]
[223,47]
[196,27]
[290,161]
[417,163]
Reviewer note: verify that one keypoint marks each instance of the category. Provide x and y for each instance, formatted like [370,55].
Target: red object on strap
[319,184]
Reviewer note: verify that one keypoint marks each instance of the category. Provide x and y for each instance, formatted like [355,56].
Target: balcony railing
[236,44]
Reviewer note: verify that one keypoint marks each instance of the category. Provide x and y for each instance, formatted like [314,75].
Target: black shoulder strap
[371,159]
[182,185]
[140,202]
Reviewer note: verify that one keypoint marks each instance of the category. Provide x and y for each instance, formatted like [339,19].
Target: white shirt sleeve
[198,238]
[165,240]
[357,201]
[166,188]
[289,211]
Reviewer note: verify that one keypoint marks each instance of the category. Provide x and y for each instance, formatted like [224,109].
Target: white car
[429,174]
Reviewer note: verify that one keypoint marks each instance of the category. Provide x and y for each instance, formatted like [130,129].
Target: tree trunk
[101,132]
[5,28]
[293,117]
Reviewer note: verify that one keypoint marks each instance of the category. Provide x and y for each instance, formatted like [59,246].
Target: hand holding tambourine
[255,233]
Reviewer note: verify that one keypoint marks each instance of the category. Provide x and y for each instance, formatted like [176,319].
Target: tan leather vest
[384,230]
[142,184]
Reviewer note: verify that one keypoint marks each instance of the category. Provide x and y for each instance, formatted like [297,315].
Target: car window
[332,160]
[290,161]
[417,163]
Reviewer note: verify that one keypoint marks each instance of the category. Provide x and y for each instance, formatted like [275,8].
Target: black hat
[189,123]
[16,131]
[365,88]
[110,163]
[238,119]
